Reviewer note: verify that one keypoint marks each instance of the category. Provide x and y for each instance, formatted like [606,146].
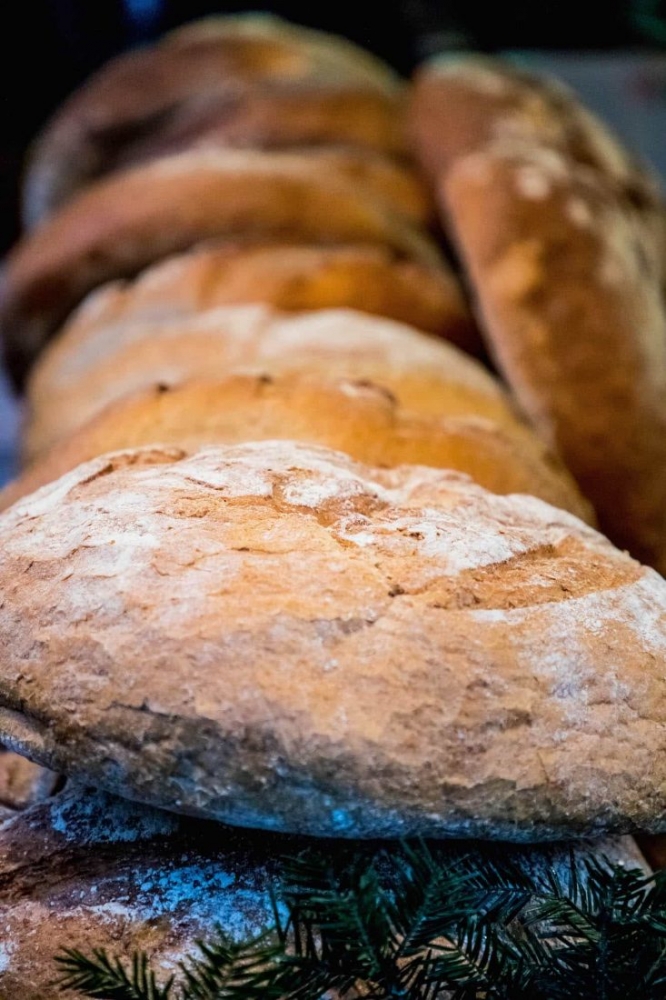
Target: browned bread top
[125,223]
[158,87]
[359,418]
[373,279]
[77,376]
[295,641]
[461,104]
[567,280]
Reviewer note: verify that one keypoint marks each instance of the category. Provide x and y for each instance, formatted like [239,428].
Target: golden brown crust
[125,223]
[358,418]
[372,279]
[462,104]
[295,641]
[132,95]
[567,279]
[74,379]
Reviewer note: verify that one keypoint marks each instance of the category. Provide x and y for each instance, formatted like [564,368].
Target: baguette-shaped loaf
[359,418]
[274,636]
[567,281]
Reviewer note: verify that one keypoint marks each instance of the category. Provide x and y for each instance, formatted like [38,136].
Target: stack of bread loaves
[284,554]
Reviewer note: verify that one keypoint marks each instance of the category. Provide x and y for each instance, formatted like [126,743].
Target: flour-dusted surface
[363,420]
[90,870]
[275,636]
[81,371]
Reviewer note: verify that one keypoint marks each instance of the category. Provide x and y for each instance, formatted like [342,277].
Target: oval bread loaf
[372,279]
[77,376]
[127,222]
[567,281]
[145,879]
[298,642]
[358,418]
[134,94]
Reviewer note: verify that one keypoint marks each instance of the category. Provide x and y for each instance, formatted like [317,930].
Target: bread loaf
[464,104]
[77,376]
[134,218]
[562,235]
[358,418]
[275,636]
[372,279]
[145,879]
[146,89]
[567,280]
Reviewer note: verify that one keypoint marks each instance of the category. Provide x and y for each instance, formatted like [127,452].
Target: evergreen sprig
[412,925]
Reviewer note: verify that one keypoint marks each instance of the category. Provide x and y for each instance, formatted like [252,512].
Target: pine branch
[101,976]
[411,925]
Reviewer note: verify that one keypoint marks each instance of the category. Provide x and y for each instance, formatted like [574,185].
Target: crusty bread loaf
[134,218]
[149,880]
[373,279]
[462,104]
[73,380]
[567,279]
[295,641]
[358,418]
[134,94]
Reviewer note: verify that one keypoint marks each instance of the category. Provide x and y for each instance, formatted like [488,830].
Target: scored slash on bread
[358,418]
[127,222]
[275,636]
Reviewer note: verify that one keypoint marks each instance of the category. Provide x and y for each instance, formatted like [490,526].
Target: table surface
[627,89]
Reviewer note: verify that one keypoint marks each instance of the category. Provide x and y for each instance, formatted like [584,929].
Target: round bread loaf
[275,636]
[358,418]
[462,104]
[373,279]
[134,218]
[567,280]
[75,378]
[143,90]
[145,879]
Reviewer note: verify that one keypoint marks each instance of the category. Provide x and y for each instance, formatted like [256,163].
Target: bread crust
[127,222]
[463,104]
[567,280]
[141,91]
[297,642]
[76,377]
[372,279]
[358,418]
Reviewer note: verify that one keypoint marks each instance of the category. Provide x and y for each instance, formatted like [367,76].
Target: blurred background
[613,53]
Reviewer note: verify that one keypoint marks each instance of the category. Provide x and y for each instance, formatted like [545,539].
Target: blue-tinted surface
[8,431]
